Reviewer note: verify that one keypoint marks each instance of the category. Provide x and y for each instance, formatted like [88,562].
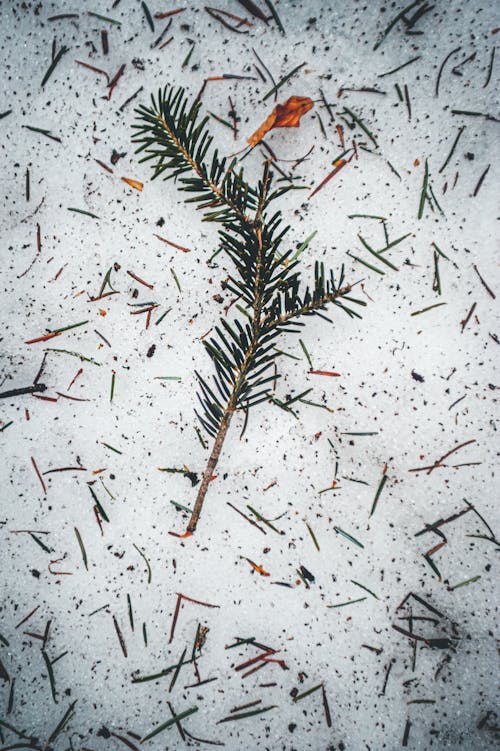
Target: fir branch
[172,134]
[266,281]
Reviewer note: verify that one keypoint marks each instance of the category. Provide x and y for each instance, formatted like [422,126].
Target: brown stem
[258,329]
[209,470]
[233,399]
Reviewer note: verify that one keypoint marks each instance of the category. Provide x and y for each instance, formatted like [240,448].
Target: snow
[282,462]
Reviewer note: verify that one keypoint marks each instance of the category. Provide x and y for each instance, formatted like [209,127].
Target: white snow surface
[283,461]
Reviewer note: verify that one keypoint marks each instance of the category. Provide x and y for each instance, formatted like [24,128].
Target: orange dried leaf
[285,115]
[133,183]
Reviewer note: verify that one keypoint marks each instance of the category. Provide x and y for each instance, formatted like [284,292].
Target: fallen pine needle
[341,163]
[136,184]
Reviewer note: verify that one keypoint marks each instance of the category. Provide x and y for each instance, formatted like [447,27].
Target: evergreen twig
[172,135]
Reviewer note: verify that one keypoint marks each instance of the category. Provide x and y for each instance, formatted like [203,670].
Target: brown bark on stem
[209,470]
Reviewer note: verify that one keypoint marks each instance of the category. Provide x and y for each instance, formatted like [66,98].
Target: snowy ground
[420,385]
